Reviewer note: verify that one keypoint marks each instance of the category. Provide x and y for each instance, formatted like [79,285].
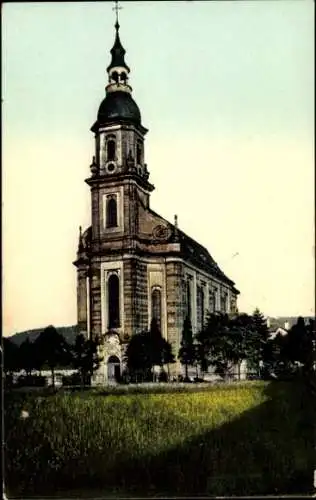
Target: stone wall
[95,297]
[141,297]
[175,310]
[129,298]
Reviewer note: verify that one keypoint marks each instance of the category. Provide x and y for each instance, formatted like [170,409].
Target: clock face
[161,232]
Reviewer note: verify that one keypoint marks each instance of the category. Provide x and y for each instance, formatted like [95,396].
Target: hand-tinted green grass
[235,439]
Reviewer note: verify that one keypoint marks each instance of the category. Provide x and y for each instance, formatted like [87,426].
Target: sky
[226,90]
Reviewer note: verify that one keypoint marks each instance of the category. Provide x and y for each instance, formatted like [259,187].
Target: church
[132,264]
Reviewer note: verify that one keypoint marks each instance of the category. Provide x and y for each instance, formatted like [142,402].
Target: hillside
[69,333]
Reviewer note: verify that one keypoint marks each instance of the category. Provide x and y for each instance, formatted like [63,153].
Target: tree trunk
[186,371]
[53,376]
[238,367]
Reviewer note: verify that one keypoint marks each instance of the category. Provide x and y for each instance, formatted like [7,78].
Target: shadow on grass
[266,450]
[257,453]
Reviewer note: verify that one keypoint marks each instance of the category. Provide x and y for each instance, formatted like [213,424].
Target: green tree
[85,357]
[243,340]
[28,357]
[146,350]
[262,348]
[299,346]
[138,357]
[216,345]
[10,356]
[160,350]
[187,352]
[155,343]
[52,350]
[167,356]
[226,341]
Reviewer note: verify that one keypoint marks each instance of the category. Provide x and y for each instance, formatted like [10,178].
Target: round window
[111,167]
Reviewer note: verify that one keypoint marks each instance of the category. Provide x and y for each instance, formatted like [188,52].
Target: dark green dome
[118,106]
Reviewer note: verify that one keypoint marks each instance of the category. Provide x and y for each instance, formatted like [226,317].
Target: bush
[31,381]
[8,381]
[73,379]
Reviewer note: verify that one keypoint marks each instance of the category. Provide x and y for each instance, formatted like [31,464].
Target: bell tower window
[111,211]
[138,153]
[123,77]
[110,149]
[115,76]
[114,301]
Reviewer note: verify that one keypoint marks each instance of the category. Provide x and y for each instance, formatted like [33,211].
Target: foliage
[28,358]
[187,352]
[85,357]
[240,435]
[146,350]
[138,357]
[262,351]
[52,350]
[223,342]
[298,346]
[227,340]
[31,381]
[10,356]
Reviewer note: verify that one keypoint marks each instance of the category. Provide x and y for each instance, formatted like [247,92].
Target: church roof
[117,52]
[200,257]
[118,106]
[190,250]
[196,254]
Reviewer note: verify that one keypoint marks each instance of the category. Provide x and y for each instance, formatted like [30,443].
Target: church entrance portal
[114,369]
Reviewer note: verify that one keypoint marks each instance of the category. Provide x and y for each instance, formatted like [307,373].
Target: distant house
[278,331]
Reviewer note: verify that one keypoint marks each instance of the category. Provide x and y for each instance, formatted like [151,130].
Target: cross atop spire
[117,8]
[117,50]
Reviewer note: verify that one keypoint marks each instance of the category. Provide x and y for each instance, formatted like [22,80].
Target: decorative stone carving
[161,232]
[112,345]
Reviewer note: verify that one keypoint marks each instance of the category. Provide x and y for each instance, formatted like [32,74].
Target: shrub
[73,379]
[31,381]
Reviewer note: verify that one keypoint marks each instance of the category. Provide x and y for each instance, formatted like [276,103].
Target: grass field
[253,438]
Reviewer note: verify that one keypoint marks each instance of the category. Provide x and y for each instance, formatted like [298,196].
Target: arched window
[114,301]
[138,153]
[111,211]
[115,76]
[189,299]
[123,77]
[200,306]
[110,150]
[224,302]
[212,301]
[156,306]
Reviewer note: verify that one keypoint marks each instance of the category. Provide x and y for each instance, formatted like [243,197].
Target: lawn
[252,438]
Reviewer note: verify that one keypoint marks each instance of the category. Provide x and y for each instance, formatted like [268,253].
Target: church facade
[132,264]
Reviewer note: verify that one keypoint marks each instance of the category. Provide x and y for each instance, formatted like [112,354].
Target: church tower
[133,265]
[107,271]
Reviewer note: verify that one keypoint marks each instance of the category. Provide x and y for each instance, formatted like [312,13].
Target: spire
[80,245]
[117,50]
[176,230]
